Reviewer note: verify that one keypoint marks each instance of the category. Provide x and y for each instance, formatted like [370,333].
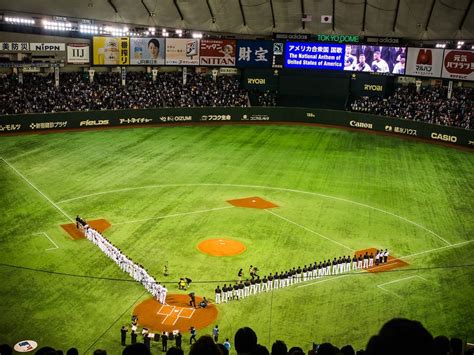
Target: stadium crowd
[397,336]
[37,93]
[430,105]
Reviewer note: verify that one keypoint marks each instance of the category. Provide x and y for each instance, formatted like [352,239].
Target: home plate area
[172,314]
[175,315]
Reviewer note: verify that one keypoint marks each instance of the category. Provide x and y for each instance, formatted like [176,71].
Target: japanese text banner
[458,65]
[217,52]
[256,54]
[111,50]
[307,55]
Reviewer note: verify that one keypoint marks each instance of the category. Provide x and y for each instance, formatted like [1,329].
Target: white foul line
[309,230]
[402,257]
[398,280]
[440,248]
[260,187]
[390,292]
[177,317]
[174,215]
[34,187]
[170,313]
[52,241]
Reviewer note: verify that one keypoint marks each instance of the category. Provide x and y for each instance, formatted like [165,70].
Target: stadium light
[114,31]
[88,29]
[19,20]
[197,35]
[440,45]
[152,30]
[57,26]
[460,43]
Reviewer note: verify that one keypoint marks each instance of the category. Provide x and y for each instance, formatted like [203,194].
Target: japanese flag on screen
[326,19]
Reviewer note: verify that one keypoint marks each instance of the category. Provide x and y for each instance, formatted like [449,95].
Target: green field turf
[337,191]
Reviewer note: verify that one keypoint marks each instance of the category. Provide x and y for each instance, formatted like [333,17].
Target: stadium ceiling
[413,19]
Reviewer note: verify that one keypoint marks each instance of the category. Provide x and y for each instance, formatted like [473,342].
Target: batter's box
[186,313]
[166,310]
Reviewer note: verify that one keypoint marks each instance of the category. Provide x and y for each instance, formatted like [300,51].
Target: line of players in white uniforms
[244,289]
[136,271]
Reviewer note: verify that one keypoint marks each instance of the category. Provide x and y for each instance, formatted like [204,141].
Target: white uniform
[164,292]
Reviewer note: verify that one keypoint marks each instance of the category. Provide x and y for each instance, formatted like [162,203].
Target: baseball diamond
[237,177]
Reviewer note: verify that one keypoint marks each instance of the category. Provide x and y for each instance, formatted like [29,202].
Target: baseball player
[163,293]
[218,292]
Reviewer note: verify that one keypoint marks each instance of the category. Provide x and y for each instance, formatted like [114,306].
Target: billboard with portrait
[111,50]
[147,51]
[181,51]
[217,52]
[254,54]
[375,59]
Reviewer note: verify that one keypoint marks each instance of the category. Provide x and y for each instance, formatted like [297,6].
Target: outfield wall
[357,120]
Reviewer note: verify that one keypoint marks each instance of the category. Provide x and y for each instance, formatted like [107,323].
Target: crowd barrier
[143,117]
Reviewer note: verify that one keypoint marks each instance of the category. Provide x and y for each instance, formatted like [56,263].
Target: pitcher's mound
[176,315]
[99,225]
[252,202]
[221,247]
[392,262]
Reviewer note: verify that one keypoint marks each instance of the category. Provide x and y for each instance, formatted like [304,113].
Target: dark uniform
[193,335]
[178,339]
[123,334]
[164,342]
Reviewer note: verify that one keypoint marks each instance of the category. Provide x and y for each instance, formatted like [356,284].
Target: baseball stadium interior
[237,177]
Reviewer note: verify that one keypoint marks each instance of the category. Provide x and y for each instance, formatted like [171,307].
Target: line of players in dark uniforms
[243,289]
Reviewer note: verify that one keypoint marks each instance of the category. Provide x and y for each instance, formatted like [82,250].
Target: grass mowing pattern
[429,185]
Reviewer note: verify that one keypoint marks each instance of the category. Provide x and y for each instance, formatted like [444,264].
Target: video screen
[375,59]
[308,55]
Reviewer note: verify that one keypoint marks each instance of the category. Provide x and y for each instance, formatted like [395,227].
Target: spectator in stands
[441,345]
[204,346]
[136,349]
[347,350]
[245,340]
[401,336]
[279,348]
[430,105]
[38,94]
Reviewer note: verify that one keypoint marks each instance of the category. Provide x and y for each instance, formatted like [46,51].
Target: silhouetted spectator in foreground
[347,350]
[279,348]
[136,349]
[46,350]
[6,349]
[174,351]
[401,336]
[204,346]
[245,341]
[72,351]
[456,346]
[326,349]
[441,345]
[296,350]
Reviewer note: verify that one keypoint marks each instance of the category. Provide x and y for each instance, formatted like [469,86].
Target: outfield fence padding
[11,124]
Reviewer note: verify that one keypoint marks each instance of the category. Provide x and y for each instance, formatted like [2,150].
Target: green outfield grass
[337,191]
